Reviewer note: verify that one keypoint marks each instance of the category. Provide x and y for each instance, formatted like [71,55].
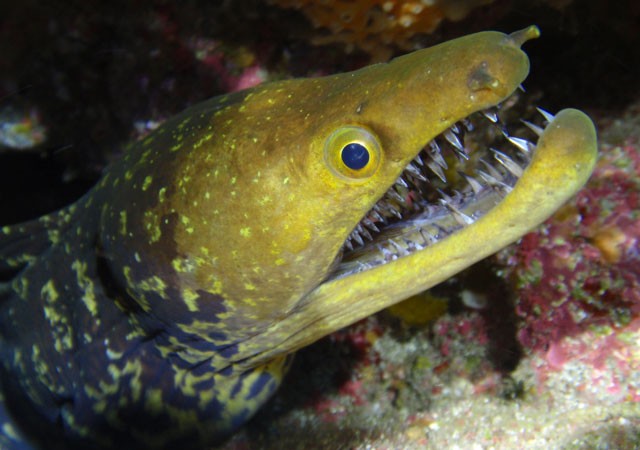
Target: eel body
[161,310]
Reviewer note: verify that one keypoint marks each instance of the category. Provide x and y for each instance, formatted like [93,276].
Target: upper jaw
[418,96]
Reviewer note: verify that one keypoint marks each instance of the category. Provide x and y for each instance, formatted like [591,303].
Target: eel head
[282,213]
[382,157]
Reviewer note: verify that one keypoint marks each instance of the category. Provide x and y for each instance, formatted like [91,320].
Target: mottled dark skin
[162,309]
[101,357]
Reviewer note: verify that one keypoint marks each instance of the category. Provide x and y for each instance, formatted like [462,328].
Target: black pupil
[355,156]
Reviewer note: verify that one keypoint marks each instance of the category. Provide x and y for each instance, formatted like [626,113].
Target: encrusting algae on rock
[373,25]
[162,309]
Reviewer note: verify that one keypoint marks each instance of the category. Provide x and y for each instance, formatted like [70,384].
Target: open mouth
[453,181]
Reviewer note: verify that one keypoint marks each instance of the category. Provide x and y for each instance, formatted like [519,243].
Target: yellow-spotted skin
[162,309]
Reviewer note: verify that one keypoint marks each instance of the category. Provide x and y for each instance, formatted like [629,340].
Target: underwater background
[535,347]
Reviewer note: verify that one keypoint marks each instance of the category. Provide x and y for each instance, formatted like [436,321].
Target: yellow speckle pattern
[162,194]
[9,431]
[190,297]
[87,286]
[61,326]
[152,226]
[153,284]
[123,223]
[147,182]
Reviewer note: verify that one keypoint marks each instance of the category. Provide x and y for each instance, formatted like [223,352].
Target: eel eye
[352,152]
[355,156]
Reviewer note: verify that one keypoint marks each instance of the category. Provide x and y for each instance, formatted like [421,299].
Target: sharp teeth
[442,232]
[475,184]
[411,196]
[462,153]
[413,245]
[521,144]
[453,140]
[493,177]
[415,172]
[458,215]
[428,237]
[386,254]
[435,154]
[546,114]
[394,211]
[507,162]
[401,250]
[436,162]
[394,195]
[492,116]
[365,233]
[348,244]
[436,169]
[400,181]
[377,216]
[384,209]
[491,170]
[370,224]
[457,145]
[533,127]
[494,182]
[445,197]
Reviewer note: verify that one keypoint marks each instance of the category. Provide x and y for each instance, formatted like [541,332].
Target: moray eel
[161,310]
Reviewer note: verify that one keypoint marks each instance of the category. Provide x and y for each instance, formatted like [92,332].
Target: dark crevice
[112,288]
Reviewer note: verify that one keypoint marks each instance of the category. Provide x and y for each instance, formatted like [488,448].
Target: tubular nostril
[480,78]
[521,36]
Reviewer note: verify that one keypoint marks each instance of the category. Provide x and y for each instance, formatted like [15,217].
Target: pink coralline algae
[581,271]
